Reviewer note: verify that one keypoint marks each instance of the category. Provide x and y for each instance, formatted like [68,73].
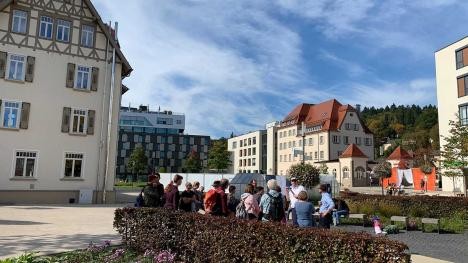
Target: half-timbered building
[61,71]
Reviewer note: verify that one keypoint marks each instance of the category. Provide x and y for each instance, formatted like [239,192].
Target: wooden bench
[403,219]
[434,221]
[363,217]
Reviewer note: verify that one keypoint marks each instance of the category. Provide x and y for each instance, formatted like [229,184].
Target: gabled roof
[399,154]
[353,151]
[330,114]
[126,68]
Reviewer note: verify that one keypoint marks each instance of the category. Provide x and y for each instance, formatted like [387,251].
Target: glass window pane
[82,123]
[30,167]
[77,170]
[19,167]
[68,168]
[75,123]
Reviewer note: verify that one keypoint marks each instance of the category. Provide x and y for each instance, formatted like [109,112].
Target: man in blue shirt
[326,207]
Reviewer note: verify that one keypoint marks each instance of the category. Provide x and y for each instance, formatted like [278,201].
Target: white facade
[452,96]
[247,151]
[60,144]
[155,119]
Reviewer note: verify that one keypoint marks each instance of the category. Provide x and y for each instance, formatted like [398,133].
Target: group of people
[254,204]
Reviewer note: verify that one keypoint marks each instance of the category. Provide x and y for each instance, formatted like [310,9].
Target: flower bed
[200,238]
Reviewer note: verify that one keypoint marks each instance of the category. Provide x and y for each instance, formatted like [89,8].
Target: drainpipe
[101,144]
[109,122]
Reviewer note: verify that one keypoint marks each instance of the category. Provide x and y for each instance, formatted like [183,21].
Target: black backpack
[276,211]
[140,201]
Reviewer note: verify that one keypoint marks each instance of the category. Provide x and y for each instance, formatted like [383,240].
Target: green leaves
[218,156]
[383,169]
[199,238]
[307,174]
[138,162]
[455,150]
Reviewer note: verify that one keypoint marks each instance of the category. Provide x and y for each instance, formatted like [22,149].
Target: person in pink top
[171,193]
[250,202]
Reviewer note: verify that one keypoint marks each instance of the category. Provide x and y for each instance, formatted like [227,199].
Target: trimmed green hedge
[202,238]
[413,206]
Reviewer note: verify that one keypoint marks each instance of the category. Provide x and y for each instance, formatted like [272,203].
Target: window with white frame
[254,151]
[289,157]
[316,155]
[345,172]
[79,121]
[19,21]
[25,164]
[63,30]
[281,158]
[73,165]
[321,140]
[464,115]
[336,139]
[281,146]
[87,36]
[254,161]
[46,27]
[234,145]
[368,141]
[11,111]
[16,67]
[83,78]
[356,127]
[358,140]
[322,155]
[346,140]
[360,173]
[311,141]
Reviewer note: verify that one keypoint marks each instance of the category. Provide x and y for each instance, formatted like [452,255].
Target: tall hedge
[201,238]
[415,206]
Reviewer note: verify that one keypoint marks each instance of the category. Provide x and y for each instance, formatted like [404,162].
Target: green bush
[199,238]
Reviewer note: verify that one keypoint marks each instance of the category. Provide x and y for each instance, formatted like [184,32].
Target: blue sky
[234,65]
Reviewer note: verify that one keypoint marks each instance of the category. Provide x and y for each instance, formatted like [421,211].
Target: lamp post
[303,142]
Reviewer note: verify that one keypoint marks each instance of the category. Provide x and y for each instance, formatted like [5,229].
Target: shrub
[196,238]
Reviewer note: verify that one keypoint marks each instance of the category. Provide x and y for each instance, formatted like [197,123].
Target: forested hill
[412,126]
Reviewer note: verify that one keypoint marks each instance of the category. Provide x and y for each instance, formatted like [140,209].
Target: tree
[192,163]
[455,151]
[307,174]
[138,162]
[219,158]
[323,168]
[383,170]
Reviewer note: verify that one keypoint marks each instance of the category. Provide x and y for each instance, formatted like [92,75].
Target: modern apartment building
[161,134]
[249,152]
[330,128]
[452,97]
[61,87]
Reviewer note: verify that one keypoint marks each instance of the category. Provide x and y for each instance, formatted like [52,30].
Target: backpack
[213,202]
[140,201]
[241,212]
[276,211]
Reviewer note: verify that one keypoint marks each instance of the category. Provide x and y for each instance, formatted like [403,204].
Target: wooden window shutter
[91,119]
[29,77]
[66,119]
[70,75]
[465,57]
[3,62]
[461,86]
[94,79]
[25,109]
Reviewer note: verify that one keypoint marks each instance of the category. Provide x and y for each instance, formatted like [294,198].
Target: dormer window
[19,21]
[87,36]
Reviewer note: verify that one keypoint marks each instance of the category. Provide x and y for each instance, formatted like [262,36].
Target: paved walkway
[53,229]
[446,247]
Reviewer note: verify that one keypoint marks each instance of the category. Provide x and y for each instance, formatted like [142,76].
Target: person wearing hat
[326,207]
[153,192]
[293,193]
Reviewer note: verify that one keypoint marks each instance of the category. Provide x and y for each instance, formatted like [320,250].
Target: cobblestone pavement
[450,247]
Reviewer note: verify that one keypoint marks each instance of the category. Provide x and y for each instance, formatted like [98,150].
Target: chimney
[358,109]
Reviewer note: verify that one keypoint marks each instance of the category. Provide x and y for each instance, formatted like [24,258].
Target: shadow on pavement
[20,223]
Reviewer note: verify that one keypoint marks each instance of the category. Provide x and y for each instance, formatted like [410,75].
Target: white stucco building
[452,97]
[60,95]
[249,152]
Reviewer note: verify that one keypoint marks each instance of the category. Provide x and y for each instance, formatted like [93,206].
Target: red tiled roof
[353,151]
[399,154]
[330,114]
[403,164]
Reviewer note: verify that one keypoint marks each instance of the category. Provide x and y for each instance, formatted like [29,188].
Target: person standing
[271,203]
[153,192]
[171,193]
[232,200]
[326,207]
[198,204]
[304,211]
[293,192]
[216,199]
[250,202]
[187,199]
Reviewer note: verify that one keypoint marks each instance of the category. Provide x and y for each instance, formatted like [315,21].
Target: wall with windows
[452,94]
[247,152]
[54,104]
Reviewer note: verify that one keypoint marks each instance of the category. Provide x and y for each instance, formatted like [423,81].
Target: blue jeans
[338,214]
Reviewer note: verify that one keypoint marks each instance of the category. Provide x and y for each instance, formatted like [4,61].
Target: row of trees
[218,160]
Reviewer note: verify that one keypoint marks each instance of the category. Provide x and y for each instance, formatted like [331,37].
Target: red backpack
[212,202]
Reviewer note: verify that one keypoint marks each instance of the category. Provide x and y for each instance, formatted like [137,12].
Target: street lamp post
[303,142]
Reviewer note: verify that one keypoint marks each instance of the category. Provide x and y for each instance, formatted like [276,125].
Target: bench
[434,221]
[363,217]
[403,219]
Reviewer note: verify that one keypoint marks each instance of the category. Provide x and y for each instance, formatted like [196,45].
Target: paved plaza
[53,229]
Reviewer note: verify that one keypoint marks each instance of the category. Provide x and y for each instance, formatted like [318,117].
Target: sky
[235,65]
